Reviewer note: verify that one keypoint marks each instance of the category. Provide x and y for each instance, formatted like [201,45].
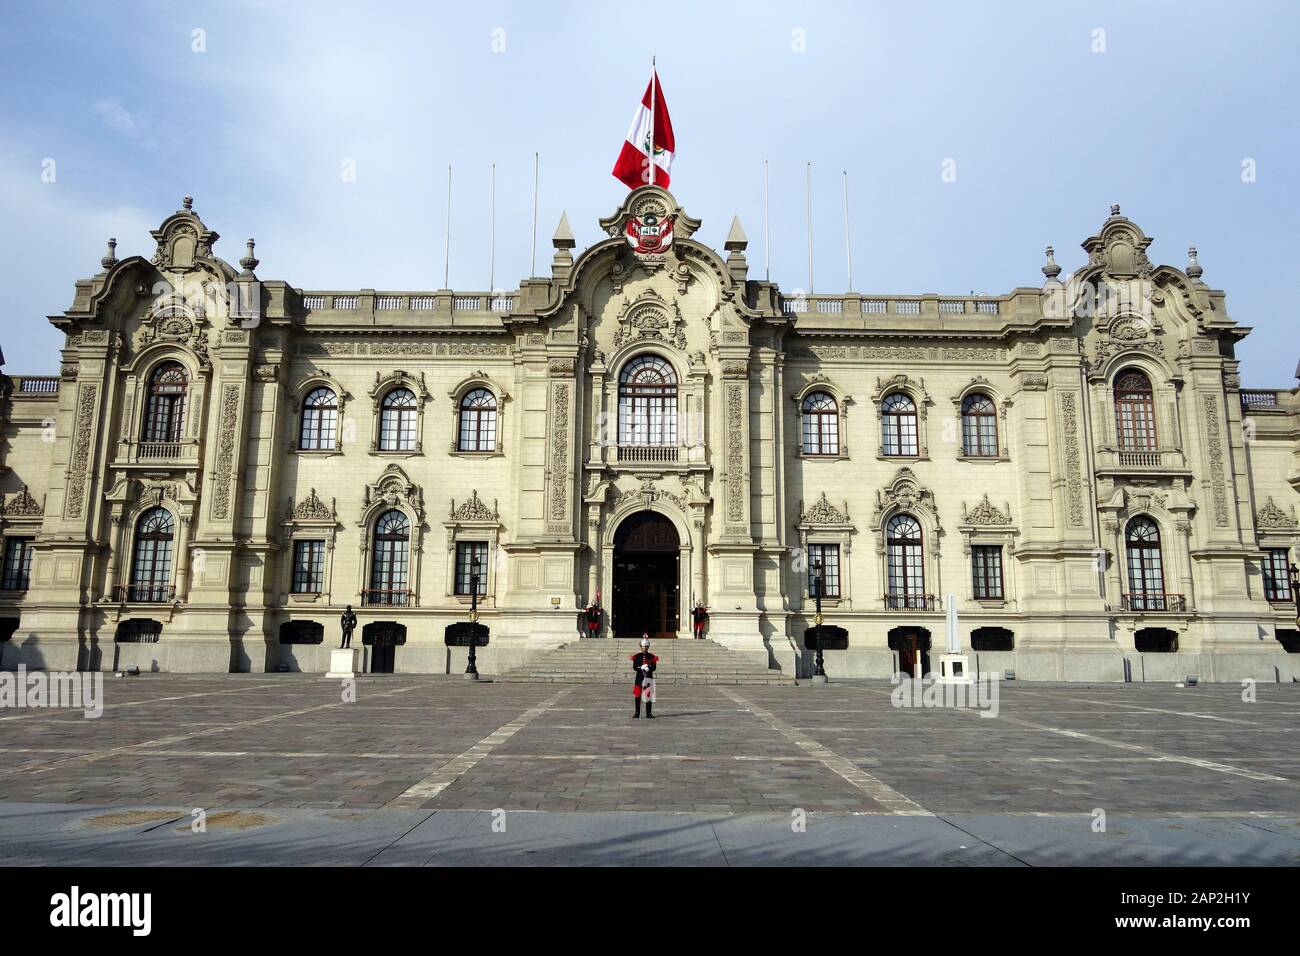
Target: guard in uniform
[643,666]
[699,617]
[595,613]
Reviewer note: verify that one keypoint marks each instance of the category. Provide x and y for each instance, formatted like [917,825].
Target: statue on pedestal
[349,624]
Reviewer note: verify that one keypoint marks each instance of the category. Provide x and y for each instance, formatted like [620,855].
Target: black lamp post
[819,670]
[471,671]
[1293,576]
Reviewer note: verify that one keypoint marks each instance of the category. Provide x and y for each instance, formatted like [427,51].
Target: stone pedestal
[954,669]
[344,663]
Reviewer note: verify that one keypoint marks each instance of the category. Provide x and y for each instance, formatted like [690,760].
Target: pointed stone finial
[188,203]
[250,261]
[1114,209]
[563,238]
[110,257]
[1194,269]
[1050,268]
[736,239]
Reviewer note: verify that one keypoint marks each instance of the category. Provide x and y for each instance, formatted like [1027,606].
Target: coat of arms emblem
[649,235]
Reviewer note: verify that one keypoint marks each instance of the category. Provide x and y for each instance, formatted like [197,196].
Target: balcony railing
[38,385]
[377,598]
[144,593]
[1154,601]
[649,453]
[911,602]
[153,450]
[1141,459]
[1259,398]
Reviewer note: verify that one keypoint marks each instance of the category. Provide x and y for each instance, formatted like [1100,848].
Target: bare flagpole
[767,268]
[446,262]
[653,97]
[492,258]
[532,268]
[808,202]
[848,248]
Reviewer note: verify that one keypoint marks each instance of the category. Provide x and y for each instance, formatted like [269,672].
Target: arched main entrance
[647,595]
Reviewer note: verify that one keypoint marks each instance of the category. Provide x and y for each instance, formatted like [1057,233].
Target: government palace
[226,462]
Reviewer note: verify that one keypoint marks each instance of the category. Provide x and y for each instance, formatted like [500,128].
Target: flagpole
[492,258]
[767,270]
[808,204]
[446,262]
[532,267]
[653,97]
[848,248]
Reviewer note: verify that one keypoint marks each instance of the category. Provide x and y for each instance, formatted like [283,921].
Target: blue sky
[1045,134]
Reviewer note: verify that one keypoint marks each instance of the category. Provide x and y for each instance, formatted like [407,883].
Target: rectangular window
[18,564]
[828,557]
[308,567]
[471,558]
[1277,581]
[986,571]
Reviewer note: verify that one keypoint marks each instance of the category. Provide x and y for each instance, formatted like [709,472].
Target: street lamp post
[1293,576]
[471,671]
[819,670]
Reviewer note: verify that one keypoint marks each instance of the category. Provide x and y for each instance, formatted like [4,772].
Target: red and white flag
[633,168]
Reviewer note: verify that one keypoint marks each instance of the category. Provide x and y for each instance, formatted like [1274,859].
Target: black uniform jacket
[643,657]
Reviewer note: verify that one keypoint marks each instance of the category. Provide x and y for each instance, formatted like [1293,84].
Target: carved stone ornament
[823,512]
[312,508]
[649,316]
[1273,518]
[23,505]
[472,509]
[985,513]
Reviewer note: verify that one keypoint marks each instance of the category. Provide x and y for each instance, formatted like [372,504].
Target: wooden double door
[647,579]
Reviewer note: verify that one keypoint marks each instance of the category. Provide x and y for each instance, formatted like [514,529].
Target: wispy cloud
[118,117]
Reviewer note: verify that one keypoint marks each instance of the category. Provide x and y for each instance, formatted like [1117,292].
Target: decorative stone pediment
[648,493]
[1119,249]
[473,509]
[650,316]
[823,512]
[905,493]
[312,508]
[651,200]
[183,240]
[23,505]
[392,489]
[986,514]
[1273,518]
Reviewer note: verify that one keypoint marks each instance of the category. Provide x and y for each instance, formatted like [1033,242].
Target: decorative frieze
[986,514]
[1073,466]
[1269,518]
[225,452]
[1214,452]
[312,508]
[23,505]
[560,455]
[472,509]
[78,465]
[735,453]
[823,512]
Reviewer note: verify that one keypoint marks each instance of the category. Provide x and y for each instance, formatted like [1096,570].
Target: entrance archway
[647,589]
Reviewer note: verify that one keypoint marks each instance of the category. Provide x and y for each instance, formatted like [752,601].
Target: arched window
[647,402]
[1135,411]
[898,425]
[397,419]
[1146,578]
[906,571]
[164,414]
[821,424]
[390,560]
[478,421]
[979,426]
[320,414]
[151,566]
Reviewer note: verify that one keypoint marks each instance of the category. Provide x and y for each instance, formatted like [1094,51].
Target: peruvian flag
[633,168]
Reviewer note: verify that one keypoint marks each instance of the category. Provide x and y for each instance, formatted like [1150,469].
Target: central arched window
[821,424]
[478,421]
[164,416]
[906,571]
[151,565]
[898,425]
[390,560]
[1146,577]
[979,426]
[397,418]
[320,413]
[1135,411]
[647,402]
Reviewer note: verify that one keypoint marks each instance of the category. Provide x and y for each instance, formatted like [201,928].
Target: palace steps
[608,661]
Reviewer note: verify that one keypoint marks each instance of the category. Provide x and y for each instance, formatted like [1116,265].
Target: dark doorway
[646,592]
[913,646]
[383,638]
[1156,640]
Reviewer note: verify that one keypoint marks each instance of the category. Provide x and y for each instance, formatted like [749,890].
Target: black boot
[636,702]
[650,709]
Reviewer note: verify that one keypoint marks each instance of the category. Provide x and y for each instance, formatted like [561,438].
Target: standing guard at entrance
[595,614]
[643,666]
[699,617]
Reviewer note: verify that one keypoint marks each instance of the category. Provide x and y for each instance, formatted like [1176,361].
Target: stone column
[183,558]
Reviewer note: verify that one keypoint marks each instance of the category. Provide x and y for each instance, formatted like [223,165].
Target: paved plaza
[426,770]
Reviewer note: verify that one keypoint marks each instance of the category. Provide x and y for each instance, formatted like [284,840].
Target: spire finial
[110,257]
[1050,268]
[250,261]
[1194,269]
[1114,209]
[188,203]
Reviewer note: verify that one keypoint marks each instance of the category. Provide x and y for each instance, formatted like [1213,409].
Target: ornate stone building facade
[225,462]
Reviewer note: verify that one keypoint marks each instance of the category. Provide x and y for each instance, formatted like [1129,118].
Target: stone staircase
[608,661]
